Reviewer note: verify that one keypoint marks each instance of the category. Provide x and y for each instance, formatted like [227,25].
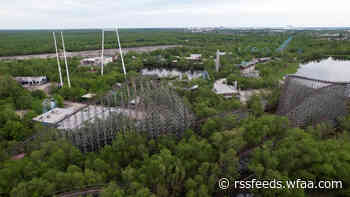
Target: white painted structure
[55,115]
[58,59]
[222,88]
[65,60]
[96,61]
[88,96]
[103,47]
[161,73]
[78,116]
[194,57]
[120,51]
[31,81]
[246,70]
[217,61]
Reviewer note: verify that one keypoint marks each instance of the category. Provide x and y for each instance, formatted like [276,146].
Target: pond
[172,73]
[327,69]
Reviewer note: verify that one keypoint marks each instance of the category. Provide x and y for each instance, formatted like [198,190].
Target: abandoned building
[54,116]
[248,69]
[74,117]
[222,88]
[95,61]
[31,81]
[194,57]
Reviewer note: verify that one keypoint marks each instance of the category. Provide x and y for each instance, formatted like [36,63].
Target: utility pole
[120,51]
[58,59]
[65,60]
[102,57]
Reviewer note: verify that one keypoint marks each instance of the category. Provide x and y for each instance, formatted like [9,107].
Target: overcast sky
[23,14]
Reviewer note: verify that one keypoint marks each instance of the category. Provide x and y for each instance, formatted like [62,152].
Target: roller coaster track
[299,106]
[318,80]
[323,98]
[159,111]
[180,115]
[308,101]
[164,112]
[18,150]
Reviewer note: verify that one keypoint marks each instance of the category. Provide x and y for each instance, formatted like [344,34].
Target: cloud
[91,13]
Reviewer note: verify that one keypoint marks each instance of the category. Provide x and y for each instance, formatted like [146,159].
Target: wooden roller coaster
[307,101]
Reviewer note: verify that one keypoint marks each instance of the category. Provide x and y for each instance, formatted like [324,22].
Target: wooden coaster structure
[307,101]
[144,106]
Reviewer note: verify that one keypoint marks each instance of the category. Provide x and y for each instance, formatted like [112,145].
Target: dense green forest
[41,41]
[259,145]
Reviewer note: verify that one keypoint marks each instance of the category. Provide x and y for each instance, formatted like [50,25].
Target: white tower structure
[120,51]
[65,60]
[217,61]
[58,59]
[102,56]
[217,65]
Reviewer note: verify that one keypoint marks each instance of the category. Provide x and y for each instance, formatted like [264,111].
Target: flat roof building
[221,88]
[52,117]
[248,68]
[76,117]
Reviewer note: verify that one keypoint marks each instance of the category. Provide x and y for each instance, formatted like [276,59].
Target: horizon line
[286,27]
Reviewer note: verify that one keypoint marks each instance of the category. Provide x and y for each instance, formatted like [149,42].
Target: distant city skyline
[73,14]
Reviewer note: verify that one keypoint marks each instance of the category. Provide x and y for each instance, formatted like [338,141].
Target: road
[92,53]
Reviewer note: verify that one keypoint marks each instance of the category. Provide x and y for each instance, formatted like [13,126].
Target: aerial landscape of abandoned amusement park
[173,111]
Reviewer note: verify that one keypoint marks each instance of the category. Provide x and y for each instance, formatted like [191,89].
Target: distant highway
[92,53]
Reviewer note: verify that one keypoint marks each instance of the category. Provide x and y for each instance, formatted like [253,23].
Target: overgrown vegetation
[231,140]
